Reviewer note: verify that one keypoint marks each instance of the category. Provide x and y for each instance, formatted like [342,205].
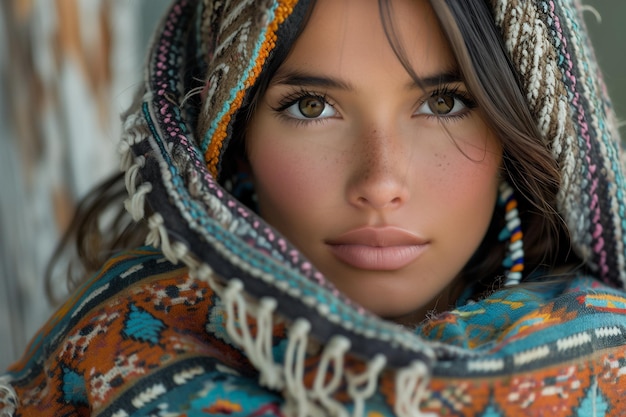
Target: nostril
[379,203]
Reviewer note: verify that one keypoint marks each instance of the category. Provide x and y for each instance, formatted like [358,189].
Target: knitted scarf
[220,315]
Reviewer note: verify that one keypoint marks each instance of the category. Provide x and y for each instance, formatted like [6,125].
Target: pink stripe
[584,133]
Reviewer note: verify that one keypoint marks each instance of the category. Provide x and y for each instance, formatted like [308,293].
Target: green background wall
[609,39]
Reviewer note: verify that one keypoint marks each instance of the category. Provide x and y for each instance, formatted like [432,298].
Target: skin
[344,139]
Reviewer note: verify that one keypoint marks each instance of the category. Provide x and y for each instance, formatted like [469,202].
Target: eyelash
[454,92]
[444,90]
[293,98]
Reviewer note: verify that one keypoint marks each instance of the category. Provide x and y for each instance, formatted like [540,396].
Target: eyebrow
[300,78]
[446,77]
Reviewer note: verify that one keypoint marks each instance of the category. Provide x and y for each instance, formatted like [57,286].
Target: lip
[377,248]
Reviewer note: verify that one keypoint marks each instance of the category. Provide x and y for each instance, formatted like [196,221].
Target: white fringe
[157,237]
[134,128]
[126,155]
[411,387]
[8,397]
[363,386]
[132,134]
[131,172]
[334,353]
[317,400]
[259,349]
[295,356]
[593,10]
[135,204]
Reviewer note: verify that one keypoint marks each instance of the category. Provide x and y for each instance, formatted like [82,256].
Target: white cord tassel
[362,386]
[271,376]
[130,177]
[134,131]
[8,397]
[259,349]
[157,237]
[295,355]
[126,155]
[411,386]
[334,353]
[135,205]
[318,400]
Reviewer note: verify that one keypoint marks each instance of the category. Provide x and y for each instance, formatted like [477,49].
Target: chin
[393,304]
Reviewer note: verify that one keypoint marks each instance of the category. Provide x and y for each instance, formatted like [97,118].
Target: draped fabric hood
[308,347]
[226,45]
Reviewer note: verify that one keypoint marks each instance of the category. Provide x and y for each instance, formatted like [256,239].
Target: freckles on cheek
[454,177]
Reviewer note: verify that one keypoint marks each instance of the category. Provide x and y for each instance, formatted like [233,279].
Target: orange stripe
[511,205]
[516,236]
[517,268]
[283,10]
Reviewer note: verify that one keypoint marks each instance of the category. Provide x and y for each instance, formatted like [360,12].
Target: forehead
[342,36]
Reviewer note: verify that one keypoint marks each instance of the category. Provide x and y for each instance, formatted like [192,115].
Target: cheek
[289,182]
[462,180]
[463,188]
[469,171]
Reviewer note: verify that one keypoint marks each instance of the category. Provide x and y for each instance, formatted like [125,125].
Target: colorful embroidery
[220,314]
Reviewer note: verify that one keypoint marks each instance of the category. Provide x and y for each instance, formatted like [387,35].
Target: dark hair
[528,163]
[100,227]
[493,82]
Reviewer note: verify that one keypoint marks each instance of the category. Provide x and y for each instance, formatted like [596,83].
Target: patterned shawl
[227,318]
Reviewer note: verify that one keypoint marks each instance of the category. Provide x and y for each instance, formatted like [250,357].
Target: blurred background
[68,68]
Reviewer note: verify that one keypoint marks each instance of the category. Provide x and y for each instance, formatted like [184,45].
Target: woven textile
[146,338]
[220,315]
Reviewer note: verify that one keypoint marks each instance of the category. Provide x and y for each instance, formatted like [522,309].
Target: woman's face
[386,185]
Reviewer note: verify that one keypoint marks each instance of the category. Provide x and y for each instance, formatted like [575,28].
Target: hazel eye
[311,107]
[446,104]
[441,105]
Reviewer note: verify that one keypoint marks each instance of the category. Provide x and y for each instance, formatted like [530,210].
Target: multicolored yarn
[146,337]
[254,49]
[548,44]
[220,315]
[513,262]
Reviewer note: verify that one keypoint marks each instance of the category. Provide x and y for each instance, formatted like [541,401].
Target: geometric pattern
[142,326]
[140,338]
[159,361]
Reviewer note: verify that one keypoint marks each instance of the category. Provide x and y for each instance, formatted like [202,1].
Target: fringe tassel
[259,349]
[333,353]
[157,237]
[295,355]
[362,386]
[301,401]
[135,205]
[411,387]
[8,397]
[134,132]
[318,400]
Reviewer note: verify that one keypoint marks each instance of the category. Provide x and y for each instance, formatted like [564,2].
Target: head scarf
[174,148]
[181,143]
[514,352]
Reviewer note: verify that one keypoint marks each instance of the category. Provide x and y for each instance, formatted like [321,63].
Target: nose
[380,172]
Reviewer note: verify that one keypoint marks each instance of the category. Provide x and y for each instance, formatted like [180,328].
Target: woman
[355,208]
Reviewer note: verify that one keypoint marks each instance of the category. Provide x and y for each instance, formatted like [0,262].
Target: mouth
[377,248]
